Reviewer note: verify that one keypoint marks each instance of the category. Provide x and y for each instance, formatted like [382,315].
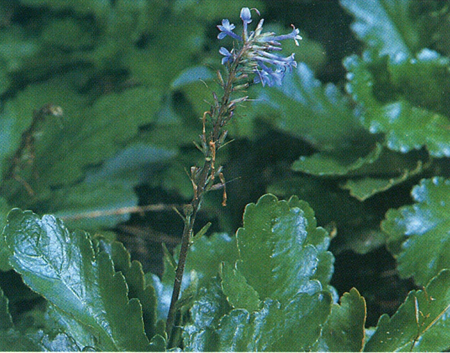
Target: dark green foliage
[359,132]
[277,290]
[344,329]
[418,234]
[80,282]
[420,324]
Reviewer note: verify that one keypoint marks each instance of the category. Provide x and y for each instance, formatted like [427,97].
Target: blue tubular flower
[293,35]
[276,60]
[256,54]
[268,76]
[228,56]
[246,18]
[226,29]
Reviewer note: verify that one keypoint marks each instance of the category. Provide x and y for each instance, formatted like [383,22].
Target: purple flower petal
[228,56]
[226,29]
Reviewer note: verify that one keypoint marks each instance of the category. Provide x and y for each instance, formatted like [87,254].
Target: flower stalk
[251,56]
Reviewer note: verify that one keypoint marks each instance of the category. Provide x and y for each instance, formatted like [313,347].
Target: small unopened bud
[219,76]
[236,101]
[239,87]
[188,210]
[222,137]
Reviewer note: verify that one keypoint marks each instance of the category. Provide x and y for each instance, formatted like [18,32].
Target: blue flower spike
[256,54]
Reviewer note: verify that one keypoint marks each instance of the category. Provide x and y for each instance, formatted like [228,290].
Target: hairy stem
[185,243]
[202,178]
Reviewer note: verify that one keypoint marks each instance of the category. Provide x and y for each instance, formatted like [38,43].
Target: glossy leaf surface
[273,328]
[388,89]
[305,108]
[418,234]
[64,268]
[137,286]
[385,25]
[282,261]
[235,287]
[344,329]
[420,324]
[279,247]
[205,258]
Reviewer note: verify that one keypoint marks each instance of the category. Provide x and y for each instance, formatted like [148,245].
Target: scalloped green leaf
[335,208]
[137,286]
[344,329]
[280,247]
[65,322]
[293,327]
[424,80]
[209,307]
[158,344]
[48,332]
[387,26]
[384,87]
[283,259]
[364,188]
[239,293]
[418,234]
[319,114]
[340,162]
[207,254]
[64,268]
[420,323]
